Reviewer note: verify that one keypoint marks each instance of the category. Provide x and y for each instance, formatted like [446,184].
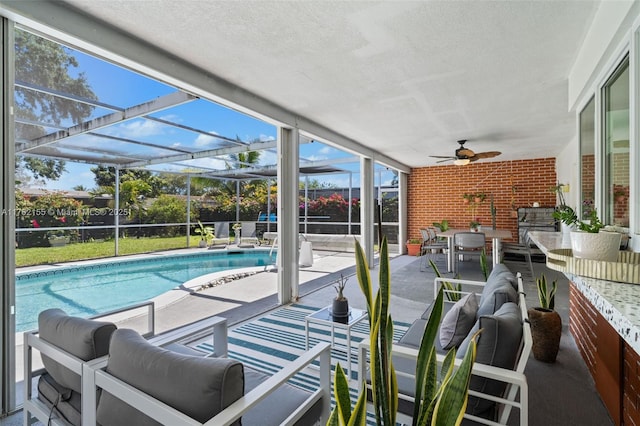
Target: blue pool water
[92,289]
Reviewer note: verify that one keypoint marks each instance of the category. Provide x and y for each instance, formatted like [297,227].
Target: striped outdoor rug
[270,342]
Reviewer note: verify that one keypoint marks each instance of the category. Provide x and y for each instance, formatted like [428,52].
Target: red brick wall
[435,193]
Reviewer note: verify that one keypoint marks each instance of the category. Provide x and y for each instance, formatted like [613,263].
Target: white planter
[596,246]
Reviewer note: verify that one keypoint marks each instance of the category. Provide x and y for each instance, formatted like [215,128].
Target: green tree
[44,63]
[105,179]
[170,209]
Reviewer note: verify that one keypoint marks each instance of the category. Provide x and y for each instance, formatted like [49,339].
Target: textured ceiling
[405,78]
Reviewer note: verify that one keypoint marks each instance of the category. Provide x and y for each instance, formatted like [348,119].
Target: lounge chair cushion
[458,321]
[83,338]
[498,345]
[198,387]
[502,272]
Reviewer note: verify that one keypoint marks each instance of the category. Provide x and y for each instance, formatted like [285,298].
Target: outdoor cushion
[501,271]
[83,338]
[63,402]
[277,406]
[196,386]
[458,321]
[499,294]
[498,345]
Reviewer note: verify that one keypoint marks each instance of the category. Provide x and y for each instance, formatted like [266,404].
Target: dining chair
[467,243]
[431,246]
[522,249]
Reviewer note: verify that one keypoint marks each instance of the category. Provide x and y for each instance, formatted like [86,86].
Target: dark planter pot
[340,310]
[546,329]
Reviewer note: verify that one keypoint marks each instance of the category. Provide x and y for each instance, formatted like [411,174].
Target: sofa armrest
[438,280]
[120,314]
[516,397]
[97,378]
[217,325]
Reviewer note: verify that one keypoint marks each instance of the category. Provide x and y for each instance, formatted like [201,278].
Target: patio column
[8,218]
[288,214]
[116,218]
[188,210]
[367,206]
[403,211]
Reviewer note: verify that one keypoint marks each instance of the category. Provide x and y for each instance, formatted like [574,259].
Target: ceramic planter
[340,310]
[546,330]
[596,246]
[413,249]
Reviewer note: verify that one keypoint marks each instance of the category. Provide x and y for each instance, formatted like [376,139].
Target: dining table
[494,234]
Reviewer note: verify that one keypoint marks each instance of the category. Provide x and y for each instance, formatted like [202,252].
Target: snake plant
[441,393]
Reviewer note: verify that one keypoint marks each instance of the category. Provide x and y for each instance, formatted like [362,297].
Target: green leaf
[341,394]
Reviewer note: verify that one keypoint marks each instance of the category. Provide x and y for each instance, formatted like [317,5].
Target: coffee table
[323,317]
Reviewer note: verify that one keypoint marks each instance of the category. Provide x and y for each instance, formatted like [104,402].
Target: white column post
[288,214]
[403,211]
[116,219]
[367,206]
[188,210]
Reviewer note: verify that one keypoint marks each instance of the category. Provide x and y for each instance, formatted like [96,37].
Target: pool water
[92,289]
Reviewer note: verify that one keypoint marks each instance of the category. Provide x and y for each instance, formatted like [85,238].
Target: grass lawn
[94,250]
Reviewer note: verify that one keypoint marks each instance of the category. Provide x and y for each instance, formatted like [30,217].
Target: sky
[119,87]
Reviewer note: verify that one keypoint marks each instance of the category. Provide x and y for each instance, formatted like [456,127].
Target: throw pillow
[458,321]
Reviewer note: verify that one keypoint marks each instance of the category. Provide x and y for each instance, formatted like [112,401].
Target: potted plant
[206,234]
[546,324]
[467,198]
[58,239]
[441,391]
[589,240]
[443,225]
[474,225]
[479,197]
[413,246]
[340,306]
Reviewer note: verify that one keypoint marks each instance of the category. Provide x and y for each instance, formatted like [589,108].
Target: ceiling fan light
[461,161]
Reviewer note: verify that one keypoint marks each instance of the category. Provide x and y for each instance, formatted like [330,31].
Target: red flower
[35,223]
[63,219]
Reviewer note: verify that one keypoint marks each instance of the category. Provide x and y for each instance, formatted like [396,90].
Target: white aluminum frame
[97,378]
[515,379]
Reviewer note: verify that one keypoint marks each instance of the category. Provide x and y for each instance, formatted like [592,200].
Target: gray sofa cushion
[458,321]
[498,345]
[63,402]
[277,406]
[83,338]
[495,293]
[198,387]
[501,271]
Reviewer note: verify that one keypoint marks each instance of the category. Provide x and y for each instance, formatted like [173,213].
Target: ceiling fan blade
[464,153]
[445,160]
[443,156]
[488,154]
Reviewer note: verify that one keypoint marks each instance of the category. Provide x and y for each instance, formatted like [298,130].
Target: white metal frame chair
[430,246]
[248,233]
[523,249]
[98,378]
[221,238]
[467,243]
[32,341]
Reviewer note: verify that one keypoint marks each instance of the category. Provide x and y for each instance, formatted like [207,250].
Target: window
[616,146]
[587,158]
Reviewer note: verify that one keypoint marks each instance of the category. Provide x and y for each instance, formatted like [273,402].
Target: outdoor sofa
[498,383]
[138,369]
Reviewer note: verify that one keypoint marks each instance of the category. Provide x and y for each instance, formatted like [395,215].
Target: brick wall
[435,193]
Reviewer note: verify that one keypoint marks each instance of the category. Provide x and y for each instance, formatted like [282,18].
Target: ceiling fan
[464,155]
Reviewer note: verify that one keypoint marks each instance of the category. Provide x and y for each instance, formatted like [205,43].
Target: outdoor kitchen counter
[604,320]
[619,303]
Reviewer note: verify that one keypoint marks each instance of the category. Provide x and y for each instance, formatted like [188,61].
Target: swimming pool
[100,287]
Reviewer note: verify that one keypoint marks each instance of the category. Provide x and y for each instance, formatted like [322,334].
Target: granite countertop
[617,302]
